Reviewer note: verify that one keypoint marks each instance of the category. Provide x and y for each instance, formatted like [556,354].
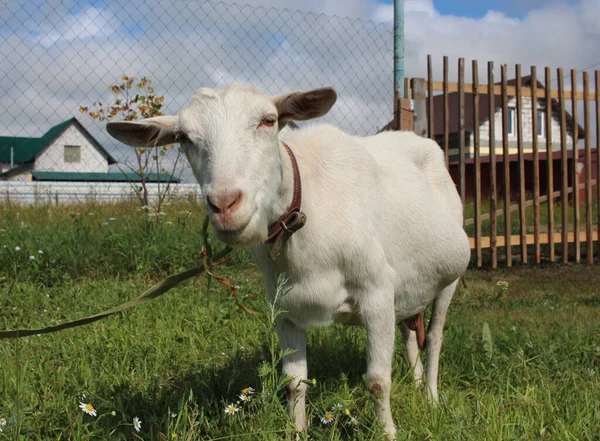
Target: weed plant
[520,360]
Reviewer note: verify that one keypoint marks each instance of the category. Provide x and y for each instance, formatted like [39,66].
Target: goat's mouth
[231,236]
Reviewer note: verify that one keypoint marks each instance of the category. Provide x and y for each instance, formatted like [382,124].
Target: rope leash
[207,264]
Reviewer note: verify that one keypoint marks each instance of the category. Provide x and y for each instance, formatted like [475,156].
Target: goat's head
[230,138]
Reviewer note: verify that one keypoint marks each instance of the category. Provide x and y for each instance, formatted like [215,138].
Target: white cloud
[557,33]
[88,24]
[412,9]
[58,56]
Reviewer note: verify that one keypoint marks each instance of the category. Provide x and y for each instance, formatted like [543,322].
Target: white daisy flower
[244,398]
[337,407]
[31,257]
[327,418]
[88,408]
[248,391]
[113,413]
[137,424]
[353,422]
[173,415]
[17,248]
[2,422]
[231,409]
[40,252]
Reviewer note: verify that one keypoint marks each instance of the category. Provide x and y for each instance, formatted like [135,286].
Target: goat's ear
[149,132]
[301,106]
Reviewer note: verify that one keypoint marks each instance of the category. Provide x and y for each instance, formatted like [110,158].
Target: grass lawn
[177,362]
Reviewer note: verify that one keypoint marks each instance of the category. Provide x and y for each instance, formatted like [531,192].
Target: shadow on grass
[209,386]
[333,354]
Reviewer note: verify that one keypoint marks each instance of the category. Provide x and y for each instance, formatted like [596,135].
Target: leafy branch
[134,100]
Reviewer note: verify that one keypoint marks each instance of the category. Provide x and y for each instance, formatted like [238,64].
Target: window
[511,120]
[72,153]
[541,118]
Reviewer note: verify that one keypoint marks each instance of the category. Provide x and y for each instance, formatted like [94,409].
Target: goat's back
[379,206]
[393,186]
[406,149]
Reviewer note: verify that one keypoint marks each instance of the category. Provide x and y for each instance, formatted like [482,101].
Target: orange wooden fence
[518,145]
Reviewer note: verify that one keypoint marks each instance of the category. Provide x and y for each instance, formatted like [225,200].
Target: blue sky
[66,52]
[478,8]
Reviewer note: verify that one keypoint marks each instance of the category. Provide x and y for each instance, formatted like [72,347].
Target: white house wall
[53,158]
[526,115]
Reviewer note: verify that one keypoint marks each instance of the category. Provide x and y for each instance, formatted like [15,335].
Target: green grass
[192,351]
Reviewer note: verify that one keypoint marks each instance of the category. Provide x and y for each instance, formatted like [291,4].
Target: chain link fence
[58,56]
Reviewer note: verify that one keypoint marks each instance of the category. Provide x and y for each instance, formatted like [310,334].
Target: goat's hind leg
[434,338]
[412,352]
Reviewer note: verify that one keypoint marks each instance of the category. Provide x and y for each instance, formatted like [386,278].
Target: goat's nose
[225,203]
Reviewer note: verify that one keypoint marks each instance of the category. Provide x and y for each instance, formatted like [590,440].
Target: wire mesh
[60,55]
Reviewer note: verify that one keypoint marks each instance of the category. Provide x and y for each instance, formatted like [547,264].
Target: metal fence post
[403,117]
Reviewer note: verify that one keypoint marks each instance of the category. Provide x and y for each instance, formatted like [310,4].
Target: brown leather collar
[293,219]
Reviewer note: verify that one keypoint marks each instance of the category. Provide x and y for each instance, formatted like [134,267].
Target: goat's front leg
[378,315]
[294,366]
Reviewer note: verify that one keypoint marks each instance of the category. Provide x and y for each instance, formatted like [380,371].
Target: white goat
[383,237]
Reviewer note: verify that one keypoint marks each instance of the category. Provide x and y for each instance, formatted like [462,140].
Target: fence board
[407,91]
[564,166]
[528,203]
[574,167]
[56,192]
[588,169]
[512,91]
[506,167]
[597,77]
[420,106]
[549,162]
[492,150]
[536,168]
[520,138]
[461,129]
[430,113]
[521,158]
[476,147]
[545,238]
[446,114]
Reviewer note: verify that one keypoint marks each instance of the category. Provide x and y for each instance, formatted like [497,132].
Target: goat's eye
[269,121]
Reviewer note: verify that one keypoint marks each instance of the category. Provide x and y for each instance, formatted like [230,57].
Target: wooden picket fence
[513,146]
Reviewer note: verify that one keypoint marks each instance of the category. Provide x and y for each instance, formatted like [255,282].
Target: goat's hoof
[302,436]
[430,396]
